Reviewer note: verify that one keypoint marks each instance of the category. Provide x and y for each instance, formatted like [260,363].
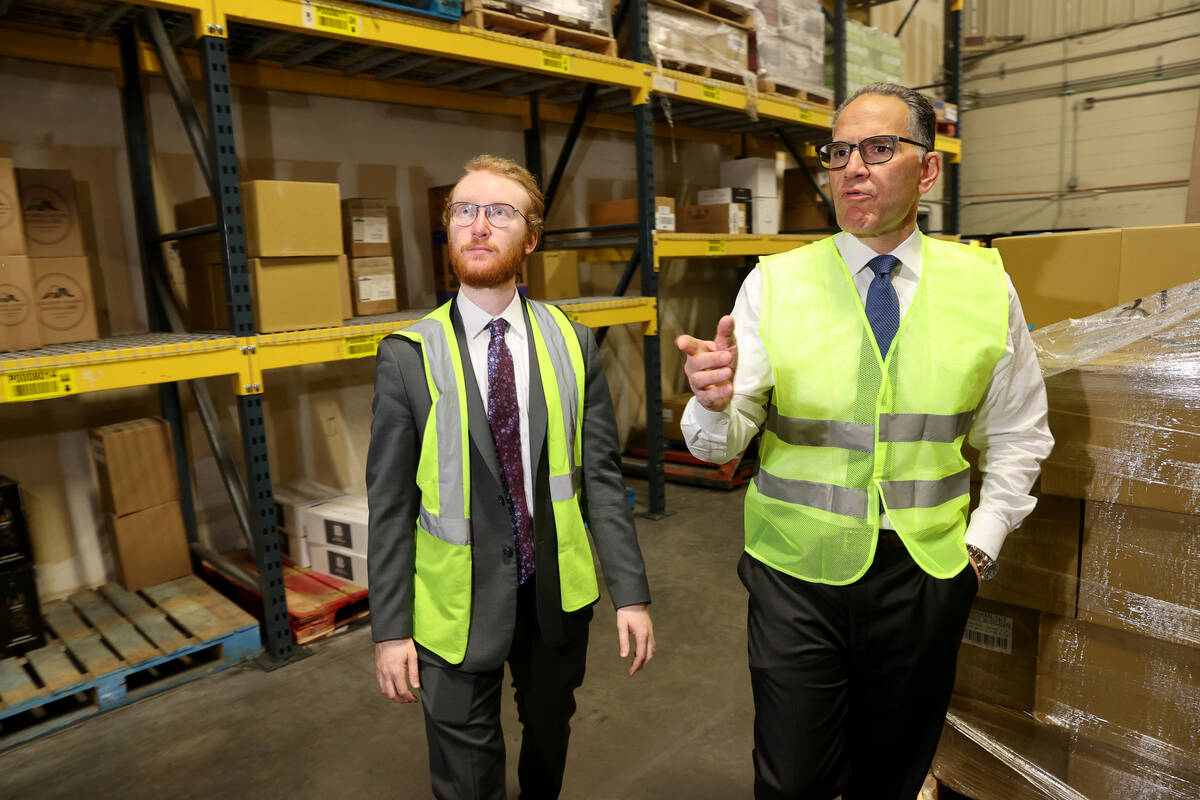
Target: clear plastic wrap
[790,43]
[679,37]
[591,15]
[871,55]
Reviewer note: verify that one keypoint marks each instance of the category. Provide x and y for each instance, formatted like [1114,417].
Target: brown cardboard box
[66,306]
[205,287]
[19,329]
[50,213]
[1071,275]
[365,227]
[552,274]
[797,189]
[346,298]
[149,546]
[1116,687]
[374,285]
[997,662]
[723,218]
[445,283]
[12,233]
[625,212]
[1136,571]
[135,465]
[804,216]
[1039,565]
[1107,772]
[978,770]
[672,413]
[289,294]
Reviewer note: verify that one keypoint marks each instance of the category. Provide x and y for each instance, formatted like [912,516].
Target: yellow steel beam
[585,254]
[733,96]
[116,364]
[698,245]
[602,312]
[294,348]
[951,147]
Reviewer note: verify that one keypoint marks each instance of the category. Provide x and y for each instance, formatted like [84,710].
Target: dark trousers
[462,713]
[851,683]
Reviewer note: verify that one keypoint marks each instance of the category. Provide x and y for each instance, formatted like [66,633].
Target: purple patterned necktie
[504,418]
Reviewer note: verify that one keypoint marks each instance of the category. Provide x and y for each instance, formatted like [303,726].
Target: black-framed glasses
[873,149]
[500,215]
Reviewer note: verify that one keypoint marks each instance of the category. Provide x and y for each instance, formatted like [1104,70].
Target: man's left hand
[635,621]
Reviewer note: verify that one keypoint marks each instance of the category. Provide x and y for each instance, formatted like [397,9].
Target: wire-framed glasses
[500,215]
[873,149]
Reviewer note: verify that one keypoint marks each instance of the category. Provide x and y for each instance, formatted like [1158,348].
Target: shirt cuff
[987,533]
[706,418]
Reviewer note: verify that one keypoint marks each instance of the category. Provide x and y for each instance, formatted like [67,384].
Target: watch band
[986,564]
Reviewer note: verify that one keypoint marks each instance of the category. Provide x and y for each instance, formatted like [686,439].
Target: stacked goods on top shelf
[706,37]
[872,56]
[582,24]
[374,278]
[788,52]
[294,244]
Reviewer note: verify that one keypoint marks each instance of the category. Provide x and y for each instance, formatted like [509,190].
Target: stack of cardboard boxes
[872,56]
[803,208]
[291,502]
[336,531]
[139,492]
[374,284]
[293,235]
[20,614]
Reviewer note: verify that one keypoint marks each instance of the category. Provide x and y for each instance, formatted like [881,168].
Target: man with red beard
[493,437]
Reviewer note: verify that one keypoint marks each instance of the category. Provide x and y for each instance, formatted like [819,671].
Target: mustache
[469,245]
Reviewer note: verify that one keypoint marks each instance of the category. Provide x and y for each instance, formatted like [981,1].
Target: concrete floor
[320,728]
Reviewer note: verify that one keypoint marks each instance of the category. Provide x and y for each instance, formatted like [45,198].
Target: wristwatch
[986,564]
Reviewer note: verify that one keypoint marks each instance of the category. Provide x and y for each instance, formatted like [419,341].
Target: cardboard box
[19,328]
[764,215]
[552,274]
[1039,565]
[806,216]
[445,282]
[1117,687]
[149,546]
[338,562]
[374,285]
[625,212]
[798,189]
[12,233]
[340,522]
[66,306]
[997,662]
[725,194]
[282,219]
[365,227]
[295,549]
[1135,574]
[1108,772]
[672,413]
[724,218]
[293,499]
[135,465]
[20,613]
[756,174]
[1071,275]
[205,287]
[14,531]
[289,294]
[345,297]
[50,213]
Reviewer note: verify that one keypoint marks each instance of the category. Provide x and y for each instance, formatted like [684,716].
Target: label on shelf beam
[710,91]
[716,247]
[362,344]
[661,83]
[556,61]
[329,19]
[804,115]
[38,384]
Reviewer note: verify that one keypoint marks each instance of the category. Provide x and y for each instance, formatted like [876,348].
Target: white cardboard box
[338,562]
[292,498]
[764,215]
[295,548]
[756,174]
[340,522]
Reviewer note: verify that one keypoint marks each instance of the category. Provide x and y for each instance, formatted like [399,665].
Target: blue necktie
[504,418]
[883,307]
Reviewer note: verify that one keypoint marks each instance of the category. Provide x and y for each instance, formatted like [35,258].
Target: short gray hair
[922,121]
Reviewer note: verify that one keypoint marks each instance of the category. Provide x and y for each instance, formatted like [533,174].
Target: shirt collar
[475,319]
[856,254]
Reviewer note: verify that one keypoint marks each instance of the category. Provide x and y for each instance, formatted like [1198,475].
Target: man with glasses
[868,357]
[493,436]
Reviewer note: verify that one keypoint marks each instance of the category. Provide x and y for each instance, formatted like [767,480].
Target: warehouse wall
[1089,123]
[318,417]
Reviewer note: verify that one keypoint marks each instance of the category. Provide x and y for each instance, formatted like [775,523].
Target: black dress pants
[851,683]
[462,713]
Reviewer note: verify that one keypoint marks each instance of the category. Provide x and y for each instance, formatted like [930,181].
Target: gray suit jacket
[401,406]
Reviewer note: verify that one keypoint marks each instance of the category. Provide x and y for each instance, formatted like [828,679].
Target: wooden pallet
[945,128]
[516,9]
[545,32]
[318,605]
[706,72]
[806,95]
[110,647]
[719,9]
[681,466]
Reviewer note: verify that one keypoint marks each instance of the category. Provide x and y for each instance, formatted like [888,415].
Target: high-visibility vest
[442,588]
[849,431]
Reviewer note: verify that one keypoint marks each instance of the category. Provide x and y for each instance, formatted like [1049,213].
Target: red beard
[497,273]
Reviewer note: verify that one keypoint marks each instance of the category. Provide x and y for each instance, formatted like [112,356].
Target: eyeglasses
[500,215]
[873,149]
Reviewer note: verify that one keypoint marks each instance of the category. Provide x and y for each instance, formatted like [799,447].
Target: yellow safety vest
[846,427]
[442,588]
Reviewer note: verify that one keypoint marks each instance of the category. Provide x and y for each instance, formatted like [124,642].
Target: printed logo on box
[339,565]
[48,218]
[61,301]
[337,533]
[14,305]
[8,210]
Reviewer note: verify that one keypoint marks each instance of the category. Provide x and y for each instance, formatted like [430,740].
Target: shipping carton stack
[139,493]
[872,56]
[58,264]
[757,175]
[788,49]
[292,501]
[336,531]
[1115,709]
[803,208]
[552,274]
[582,24]
[625,213]
[373,281]
[19,329]
[294,246]
[715,44]
[20,613]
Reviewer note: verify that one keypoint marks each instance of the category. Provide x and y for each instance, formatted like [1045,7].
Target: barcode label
[559,62]
[716,247]
[328,18]
[38,384]
[363,344]
[710,91]
[989,631]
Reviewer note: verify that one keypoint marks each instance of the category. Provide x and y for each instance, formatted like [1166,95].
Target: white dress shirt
[1010,429]
[479,336]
